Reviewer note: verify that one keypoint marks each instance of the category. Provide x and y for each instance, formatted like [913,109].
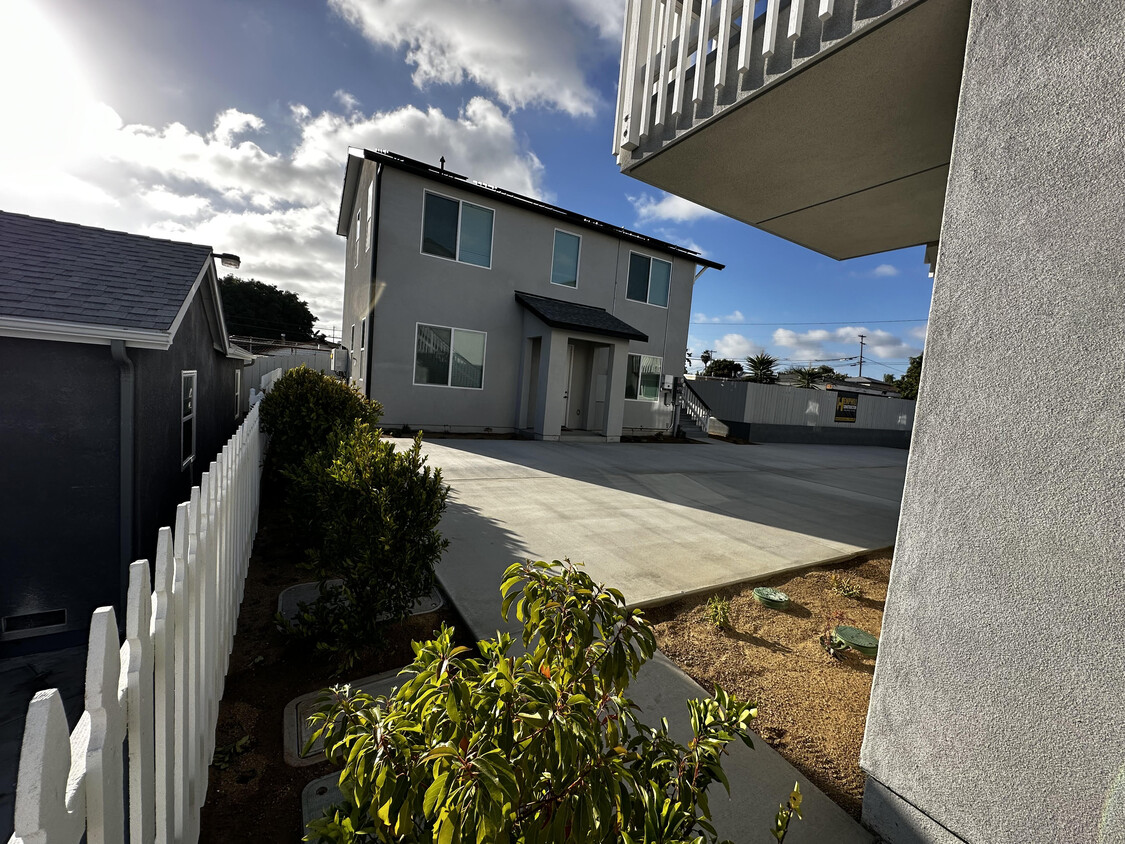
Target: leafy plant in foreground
[543,746]
[845,586]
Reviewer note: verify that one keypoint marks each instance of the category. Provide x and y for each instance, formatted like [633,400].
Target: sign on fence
[847,404]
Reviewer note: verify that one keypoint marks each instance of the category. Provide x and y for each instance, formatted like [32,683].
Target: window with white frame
[564,263]
[649,280]
[370,213]
[187,418]
[358,233]
[459,231]
[363,334]
[642,377]
[449,357]
[237,392]
[351,345]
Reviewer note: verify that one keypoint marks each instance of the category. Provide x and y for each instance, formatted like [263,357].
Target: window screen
[439,226]
[564,266]
[476,235]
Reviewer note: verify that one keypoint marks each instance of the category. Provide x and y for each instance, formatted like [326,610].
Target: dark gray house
[117,386]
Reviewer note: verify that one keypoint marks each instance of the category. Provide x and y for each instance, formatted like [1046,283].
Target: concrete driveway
[657,521]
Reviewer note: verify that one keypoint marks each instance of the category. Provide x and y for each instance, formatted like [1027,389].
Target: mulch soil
[812,707]
[252,794]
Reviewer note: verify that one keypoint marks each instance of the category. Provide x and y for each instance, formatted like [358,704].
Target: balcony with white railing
[827,122]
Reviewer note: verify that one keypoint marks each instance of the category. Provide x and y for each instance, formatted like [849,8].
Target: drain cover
[772,598]
[857,639]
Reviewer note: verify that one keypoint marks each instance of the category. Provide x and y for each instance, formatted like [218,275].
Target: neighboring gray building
[471,308]
[994,132]
[117,387]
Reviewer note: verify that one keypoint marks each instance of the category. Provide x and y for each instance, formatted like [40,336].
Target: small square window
[449,357]
[649,280]
[460,231]
[564,263]
[642,377]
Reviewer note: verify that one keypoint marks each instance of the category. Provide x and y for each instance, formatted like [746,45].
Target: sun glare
[45,93]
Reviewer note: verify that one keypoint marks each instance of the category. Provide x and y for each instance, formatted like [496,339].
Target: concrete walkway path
[657,521]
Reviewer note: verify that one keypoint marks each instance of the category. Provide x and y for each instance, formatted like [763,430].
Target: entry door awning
[568,315]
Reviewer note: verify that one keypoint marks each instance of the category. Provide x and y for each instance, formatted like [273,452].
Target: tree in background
[888,378]
[806,376]
[256,309]
[723,368]
[762,368]
[908,383]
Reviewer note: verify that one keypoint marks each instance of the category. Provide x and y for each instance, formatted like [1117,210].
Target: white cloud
[918,332]
[843,342]
[526,53]
[277,210]
[885,271]
[668,208]
[735,316]
[736,347]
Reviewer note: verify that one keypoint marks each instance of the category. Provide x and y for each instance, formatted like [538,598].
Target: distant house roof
[419,168]
[559,314]
[91,285]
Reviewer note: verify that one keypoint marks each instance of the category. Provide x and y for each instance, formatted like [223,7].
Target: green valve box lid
[769,597]
[857,639]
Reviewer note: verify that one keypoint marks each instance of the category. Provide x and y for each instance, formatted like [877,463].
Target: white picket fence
[160,689]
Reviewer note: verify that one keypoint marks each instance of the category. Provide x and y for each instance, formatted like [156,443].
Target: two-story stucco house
[993,132]
[472,308]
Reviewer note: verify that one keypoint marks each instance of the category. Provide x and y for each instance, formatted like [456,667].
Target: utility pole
[861,339]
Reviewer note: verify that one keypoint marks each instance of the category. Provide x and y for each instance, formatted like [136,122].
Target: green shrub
[377,512]
[539,747]
[302,410]
[718,611]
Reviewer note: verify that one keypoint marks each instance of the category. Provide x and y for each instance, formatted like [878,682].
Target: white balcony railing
[683,62]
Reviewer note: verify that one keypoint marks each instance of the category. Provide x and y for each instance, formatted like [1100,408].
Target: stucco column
[552,386]
[615,390]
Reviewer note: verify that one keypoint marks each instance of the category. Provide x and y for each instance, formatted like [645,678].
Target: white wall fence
[160,690]
[775,404]
[283,361]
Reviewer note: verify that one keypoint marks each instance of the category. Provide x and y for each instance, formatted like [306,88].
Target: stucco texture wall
[998,704]
[411,287]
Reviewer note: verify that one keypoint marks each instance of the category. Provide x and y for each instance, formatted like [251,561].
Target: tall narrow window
[358,233]
[370,213]
[564,264]
[351,345]
[238,392]
[449,357]
[649,280]
[187,418]
[460,231]
[642,377]
[363,334]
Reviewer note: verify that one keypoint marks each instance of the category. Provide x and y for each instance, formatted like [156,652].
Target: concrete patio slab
[657,521]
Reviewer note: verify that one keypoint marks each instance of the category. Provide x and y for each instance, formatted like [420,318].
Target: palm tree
[762,368]
[806,376]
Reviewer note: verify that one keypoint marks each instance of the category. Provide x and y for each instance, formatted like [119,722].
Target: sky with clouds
[227,122]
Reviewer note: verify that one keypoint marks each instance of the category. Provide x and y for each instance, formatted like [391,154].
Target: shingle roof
[559,314]
[427,171]
[64,272]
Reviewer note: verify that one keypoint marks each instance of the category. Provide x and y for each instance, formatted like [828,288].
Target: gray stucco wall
[998,703]
[411,287]
[59,462]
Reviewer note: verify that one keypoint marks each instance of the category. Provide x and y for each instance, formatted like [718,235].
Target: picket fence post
[161,687]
